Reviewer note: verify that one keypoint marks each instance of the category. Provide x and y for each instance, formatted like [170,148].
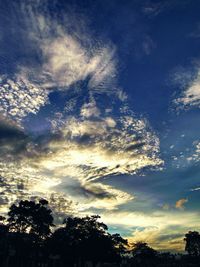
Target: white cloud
[93,142]
[195,153]
[66,57]
[195,189]
[85,151]
[191,95]
[89,110]
[163,230]
[66,62]
[19,97]
[160,238]
[69,54]
[90,150]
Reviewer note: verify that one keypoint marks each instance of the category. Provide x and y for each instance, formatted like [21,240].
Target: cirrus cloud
[94,136]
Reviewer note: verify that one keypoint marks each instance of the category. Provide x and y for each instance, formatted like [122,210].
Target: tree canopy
[192,246]
[142,248]
[31,217]
[88,239]
[28,237]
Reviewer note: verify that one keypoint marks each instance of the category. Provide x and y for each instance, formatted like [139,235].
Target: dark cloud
[8,131]
[84,139]
[167,237]
[88,191]
[135,146]
[94,191]
[13,140]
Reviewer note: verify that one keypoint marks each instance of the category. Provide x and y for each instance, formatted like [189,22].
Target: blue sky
[99,112]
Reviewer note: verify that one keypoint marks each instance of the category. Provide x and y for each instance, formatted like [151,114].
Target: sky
[99,112]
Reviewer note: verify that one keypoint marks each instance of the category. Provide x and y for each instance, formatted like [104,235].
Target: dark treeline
[29,238]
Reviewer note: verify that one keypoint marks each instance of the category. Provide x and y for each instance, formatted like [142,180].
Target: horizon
[99,113]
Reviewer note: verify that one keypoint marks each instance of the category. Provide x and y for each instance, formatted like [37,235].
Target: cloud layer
[163,230]
[93,134]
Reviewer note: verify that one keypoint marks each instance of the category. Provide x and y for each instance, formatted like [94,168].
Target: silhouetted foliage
[31,217]
[192,245]
[87,239]
[143,254]
[27,239]
[141,248]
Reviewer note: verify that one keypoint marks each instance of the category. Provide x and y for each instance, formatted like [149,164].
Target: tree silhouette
[87,239]
[143,254]
[31,217]
[3,238]
[26,240]
[192,246]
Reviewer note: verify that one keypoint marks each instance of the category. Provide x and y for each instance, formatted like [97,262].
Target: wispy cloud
[161,229]
[84,150]
[95,136]
[153,9]
[67,62]
[66,58]
[69,54]
[195,189]
[190,84]
[180,203]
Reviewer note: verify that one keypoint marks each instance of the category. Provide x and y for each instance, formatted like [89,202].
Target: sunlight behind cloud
[92,137]
[161,229]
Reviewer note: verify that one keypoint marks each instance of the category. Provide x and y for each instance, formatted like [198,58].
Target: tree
[86,239]
[192,246]
[143,254]
[3,238]
[3,226]
[31,217]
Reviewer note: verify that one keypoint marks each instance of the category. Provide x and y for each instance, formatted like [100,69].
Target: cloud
[13,140]
[148,45]
[166,206]
[163,230]
[153,9]
[19,97]
[195,155]
[68,53]
[94,134]
[195,189]
[106,146]
[99,196]
[180,203]
[190,97]
[10,131]
[67,62]
[83,150]
[90,109]
[67,57]
[159,240]
[89,150]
